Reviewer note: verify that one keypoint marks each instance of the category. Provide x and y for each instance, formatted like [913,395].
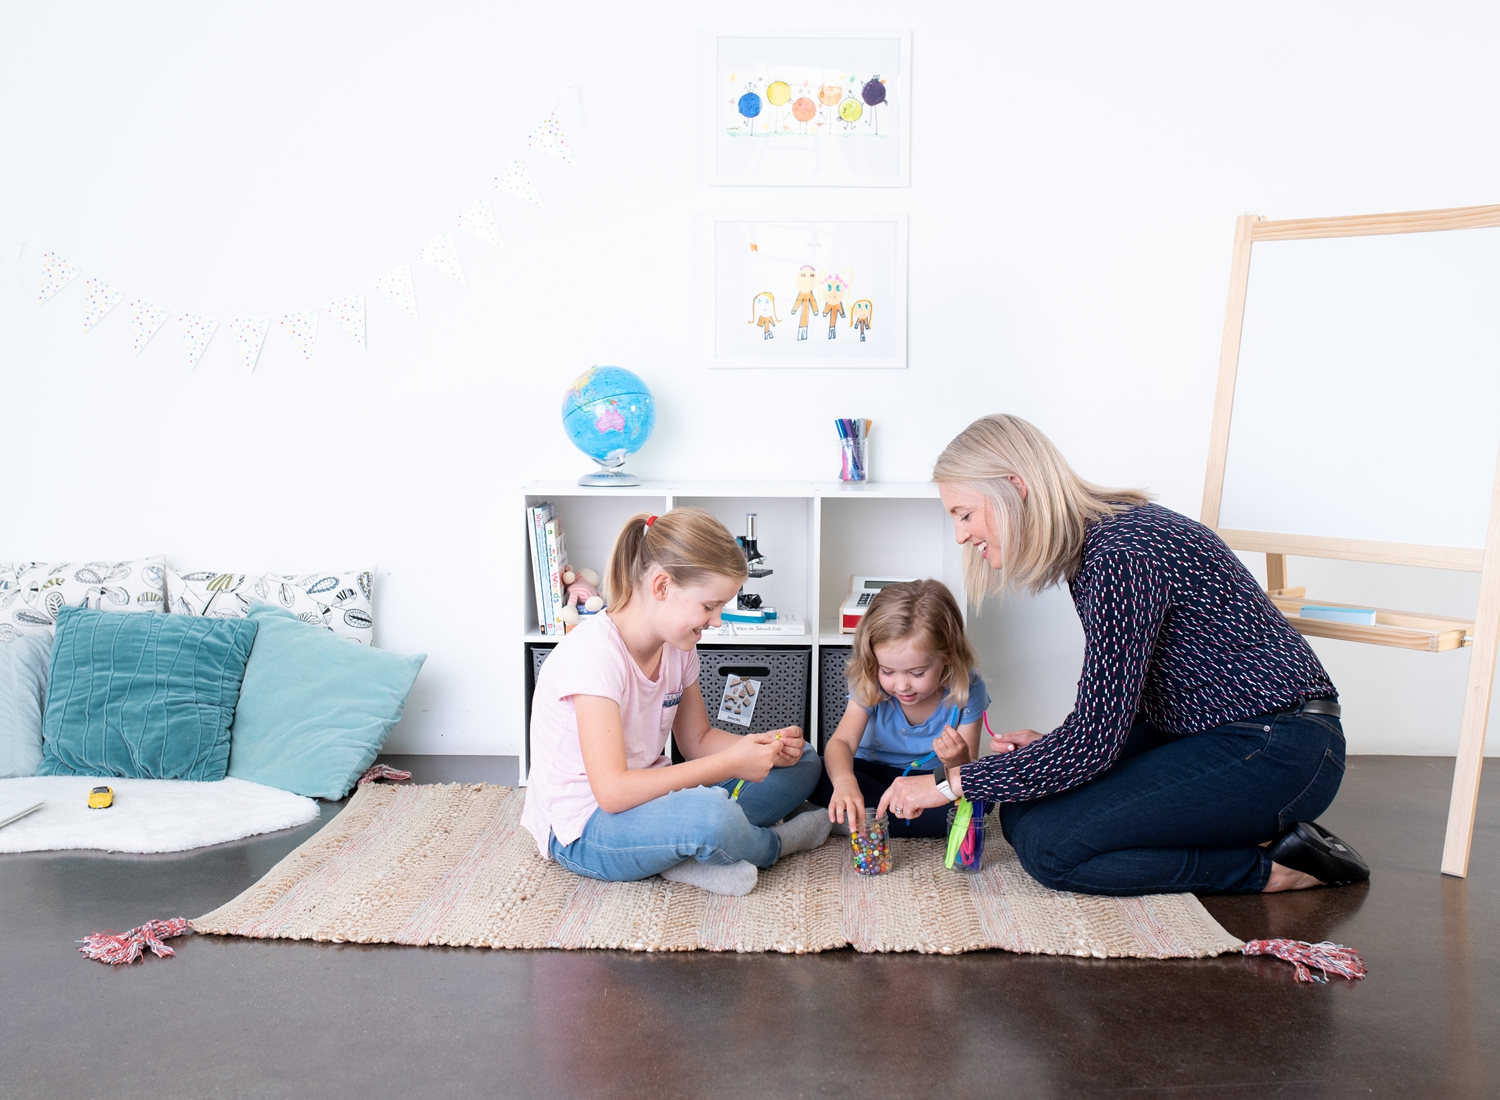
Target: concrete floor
[244,1018]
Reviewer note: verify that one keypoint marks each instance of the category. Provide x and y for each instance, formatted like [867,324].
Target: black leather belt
[1315,706]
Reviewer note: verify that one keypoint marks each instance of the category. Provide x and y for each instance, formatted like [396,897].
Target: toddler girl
[910,668]
[602,800]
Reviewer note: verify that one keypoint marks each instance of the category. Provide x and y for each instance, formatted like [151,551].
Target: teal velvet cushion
[23,686]
[316,708]
[142,696]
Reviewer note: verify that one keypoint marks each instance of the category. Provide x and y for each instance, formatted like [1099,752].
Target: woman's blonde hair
[1041,536]
[687,543]
[923,614]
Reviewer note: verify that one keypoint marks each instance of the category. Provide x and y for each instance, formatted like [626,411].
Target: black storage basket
[833,690]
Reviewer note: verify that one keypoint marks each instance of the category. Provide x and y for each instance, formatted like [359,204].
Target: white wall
[1076,172]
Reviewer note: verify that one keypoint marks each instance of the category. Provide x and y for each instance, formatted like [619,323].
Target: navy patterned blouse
[1177,632]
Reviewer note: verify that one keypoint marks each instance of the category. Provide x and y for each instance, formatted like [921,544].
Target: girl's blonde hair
[923,614]
[1041,536]
[687,543]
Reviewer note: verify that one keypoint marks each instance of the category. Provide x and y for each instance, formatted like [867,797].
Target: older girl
[1206,735]
[602,798]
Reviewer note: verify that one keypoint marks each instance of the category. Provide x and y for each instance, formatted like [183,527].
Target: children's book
[536,531]
[781,626]
[557,559]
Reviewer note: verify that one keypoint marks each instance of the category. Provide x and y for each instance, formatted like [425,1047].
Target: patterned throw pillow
[32,593]
[339,602]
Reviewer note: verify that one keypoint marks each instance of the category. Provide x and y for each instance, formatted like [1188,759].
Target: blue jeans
[874,778]
[1178,814]
[695,823]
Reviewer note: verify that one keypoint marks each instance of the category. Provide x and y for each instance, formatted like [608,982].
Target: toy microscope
[748,607]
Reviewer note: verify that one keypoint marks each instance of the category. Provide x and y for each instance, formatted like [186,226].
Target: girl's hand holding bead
[791,742]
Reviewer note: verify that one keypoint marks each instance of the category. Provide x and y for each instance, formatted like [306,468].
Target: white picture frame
[759,271]
[799,134]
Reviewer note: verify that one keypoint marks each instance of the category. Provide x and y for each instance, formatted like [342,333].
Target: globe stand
[610,477]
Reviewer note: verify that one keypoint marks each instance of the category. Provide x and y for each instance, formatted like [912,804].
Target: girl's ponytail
[687,543]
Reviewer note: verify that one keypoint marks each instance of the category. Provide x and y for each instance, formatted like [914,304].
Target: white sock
[805,831]
[734,879]
[838,828]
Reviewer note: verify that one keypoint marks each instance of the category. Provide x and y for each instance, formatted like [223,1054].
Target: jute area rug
[450,865]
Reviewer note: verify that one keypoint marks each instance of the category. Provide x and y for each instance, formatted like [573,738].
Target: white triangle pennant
[56,274]
[250,334]
[350,314]
[145,319]
[516,180]
[548,137]
[479,220]
[396,285]
[302,330]
[196,333]
[98,299]
[441,254]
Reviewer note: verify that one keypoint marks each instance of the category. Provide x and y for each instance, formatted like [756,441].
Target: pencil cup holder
[872,851]
[970,857]
[854,464]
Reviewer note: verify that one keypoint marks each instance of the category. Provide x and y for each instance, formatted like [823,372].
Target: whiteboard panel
[1367,404]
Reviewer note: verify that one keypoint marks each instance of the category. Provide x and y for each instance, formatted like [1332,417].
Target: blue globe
[608,413]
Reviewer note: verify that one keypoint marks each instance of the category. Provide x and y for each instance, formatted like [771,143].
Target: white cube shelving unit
[816,535]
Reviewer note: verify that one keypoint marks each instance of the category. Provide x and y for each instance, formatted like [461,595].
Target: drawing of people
[861,316]
[807,283]
[763,313]
[829,96]
[803,110]
[834,288]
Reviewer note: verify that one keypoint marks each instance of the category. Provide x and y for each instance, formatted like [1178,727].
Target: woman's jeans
[1178,814]
[873,778]
[701,823]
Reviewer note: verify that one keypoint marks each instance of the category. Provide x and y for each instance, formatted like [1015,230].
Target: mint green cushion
[142,696]
[315,708]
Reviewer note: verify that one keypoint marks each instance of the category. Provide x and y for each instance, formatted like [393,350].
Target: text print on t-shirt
[738,704]
[672,699]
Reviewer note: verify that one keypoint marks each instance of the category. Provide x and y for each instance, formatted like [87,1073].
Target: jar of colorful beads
[969,859]
[872,846]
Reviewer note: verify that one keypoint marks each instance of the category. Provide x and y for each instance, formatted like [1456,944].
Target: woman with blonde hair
[1205,737]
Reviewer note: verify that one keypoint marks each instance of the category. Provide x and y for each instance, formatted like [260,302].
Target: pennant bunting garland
[441,254]
[56,274]
[516,180]
[196,333]
[98,299]
[548,137]
[350,314]
[396,285]
[302,330]
[145,319]
[479,220]
[250,334]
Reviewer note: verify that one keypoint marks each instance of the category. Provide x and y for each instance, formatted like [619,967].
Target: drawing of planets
[804,109]
[830,94]
[873,92]
[778,92]
[749,105]
[851,109]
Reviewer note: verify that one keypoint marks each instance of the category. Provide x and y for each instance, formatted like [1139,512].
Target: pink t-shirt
[593,660]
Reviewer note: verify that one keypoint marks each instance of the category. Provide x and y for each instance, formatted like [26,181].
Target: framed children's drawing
[807,293]
[807,109]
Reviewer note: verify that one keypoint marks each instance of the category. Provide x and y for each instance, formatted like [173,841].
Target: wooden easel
[1408,630]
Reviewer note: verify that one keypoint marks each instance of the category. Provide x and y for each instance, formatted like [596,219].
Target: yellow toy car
[101,797]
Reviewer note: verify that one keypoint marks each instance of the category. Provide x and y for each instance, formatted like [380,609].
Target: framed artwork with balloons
[807,109]
[806,293]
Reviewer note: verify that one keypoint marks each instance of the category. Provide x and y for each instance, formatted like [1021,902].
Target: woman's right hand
[753,756]
[1015,739]
[848,805]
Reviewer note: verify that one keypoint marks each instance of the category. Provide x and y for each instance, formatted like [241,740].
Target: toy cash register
[861,591]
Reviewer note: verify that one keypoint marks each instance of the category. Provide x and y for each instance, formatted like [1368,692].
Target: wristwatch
[941,776]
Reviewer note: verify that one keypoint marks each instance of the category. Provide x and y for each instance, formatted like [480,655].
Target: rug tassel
[1330,958]
[383,771]
[116,948]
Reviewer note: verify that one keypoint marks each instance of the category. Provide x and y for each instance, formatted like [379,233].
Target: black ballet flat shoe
[1313,850]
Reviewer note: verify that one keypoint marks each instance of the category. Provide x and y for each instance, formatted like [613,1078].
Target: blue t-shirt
[890,739]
